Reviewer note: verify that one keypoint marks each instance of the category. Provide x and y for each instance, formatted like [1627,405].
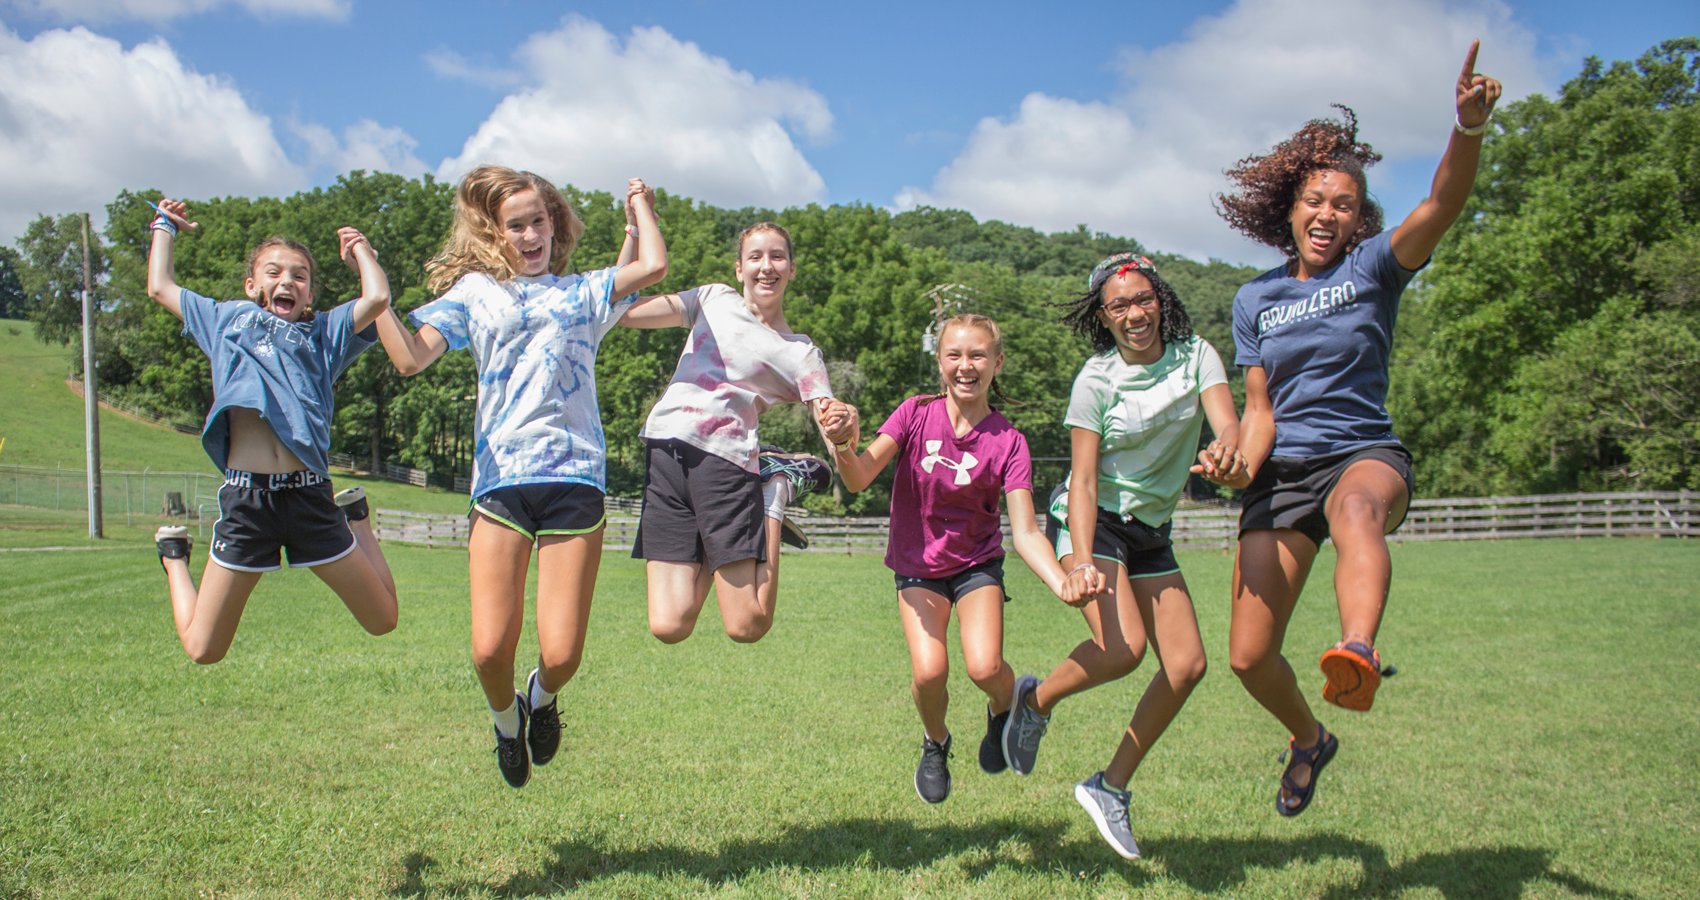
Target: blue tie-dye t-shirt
[534,340]
[284,370]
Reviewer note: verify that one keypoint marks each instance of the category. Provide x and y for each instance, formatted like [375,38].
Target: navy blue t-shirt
[285,370]
[1325,344]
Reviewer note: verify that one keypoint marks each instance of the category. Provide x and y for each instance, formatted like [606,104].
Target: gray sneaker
[1025,727]
[1108,809]
[932,776]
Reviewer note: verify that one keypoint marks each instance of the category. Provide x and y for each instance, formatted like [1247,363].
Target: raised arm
[654,311]
[409,352]
[374,284]
[1415,238]
[629,246]
[1031,543]
[162,274]
[650,266]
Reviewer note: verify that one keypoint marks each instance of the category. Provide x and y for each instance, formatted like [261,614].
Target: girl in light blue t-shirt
[538,474]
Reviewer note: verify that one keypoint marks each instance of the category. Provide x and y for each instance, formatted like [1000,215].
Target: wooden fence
[1638,514]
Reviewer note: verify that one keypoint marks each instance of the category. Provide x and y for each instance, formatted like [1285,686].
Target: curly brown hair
[1269,185]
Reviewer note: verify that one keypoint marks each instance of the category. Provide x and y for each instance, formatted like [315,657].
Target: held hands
[1082,585]
[1476,93]
[1223,464]
[839,421]
[353,243]
[637,191]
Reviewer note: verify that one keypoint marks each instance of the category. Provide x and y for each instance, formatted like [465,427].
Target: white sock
[776,495]
[539,697]
[507,721]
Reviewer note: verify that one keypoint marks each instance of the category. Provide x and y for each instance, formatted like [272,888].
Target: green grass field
[1539,742]
[43,426]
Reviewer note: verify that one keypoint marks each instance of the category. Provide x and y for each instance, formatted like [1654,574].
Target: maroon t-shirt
[944,503]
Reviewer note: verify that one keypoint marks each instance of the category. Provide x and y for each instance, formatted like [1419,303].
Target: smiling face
[1327,213]
[281,282]
[764,267]
[1133,314]
[528,229]
[968,358]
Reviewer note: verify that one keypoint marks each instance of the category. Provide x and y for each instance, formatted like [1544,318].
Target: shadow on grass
[1036,848]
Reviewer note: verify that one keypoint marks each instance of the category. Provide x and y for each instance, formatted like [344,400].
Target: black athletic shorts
[963,583]
[1145,552]
[699,508]
[551,507]
[1292,491]
[261,514]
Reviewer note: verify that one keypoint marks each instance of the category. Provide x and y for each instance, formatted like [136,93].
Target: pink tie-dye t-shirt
[732,369]
[945,491]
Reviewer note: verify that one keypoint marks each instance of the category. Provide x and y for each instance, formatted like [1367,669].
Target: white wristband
[161,223]
[631,230]
[1458,124]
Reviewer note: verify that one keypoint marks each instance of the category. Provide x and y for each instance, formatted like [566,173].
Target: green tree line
[1553,344]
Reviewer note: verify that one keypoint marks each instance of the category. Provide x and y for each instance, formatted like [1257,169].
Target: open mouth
[282,305]
[1138,333]
[533,257]
[1320,239]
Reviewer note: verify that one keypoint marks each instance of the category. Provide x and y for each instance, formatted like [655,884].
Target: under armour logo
[933,457]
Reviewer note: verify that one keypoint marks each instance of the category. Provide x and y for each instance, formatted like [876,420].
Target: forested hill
[1553,344]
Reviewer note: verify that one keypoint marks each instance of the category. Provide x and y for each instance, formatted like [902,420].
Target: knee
[205,656]
[930,681]
[1121,659]
[750,630]
[1358,511]
[1186,673]
[671,631]
[1248,663]
[384,624]
[984,672]
[492,660]
[561,669]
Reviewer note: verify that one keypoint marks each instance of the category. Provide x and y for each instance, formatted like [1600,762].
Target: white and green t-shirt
[1148,419]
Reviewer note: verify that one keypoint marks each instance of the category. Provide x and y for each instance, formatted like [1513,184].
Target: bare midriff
[253,446]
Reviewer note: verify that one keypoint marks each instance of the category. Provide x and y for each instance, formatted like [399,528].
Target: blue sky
[1117,115]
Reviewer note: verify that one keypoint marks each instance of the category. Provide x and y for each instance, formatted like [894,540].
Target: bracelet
[1458,124]
[1082,566]
[847,446]
[631,229]
[161,223]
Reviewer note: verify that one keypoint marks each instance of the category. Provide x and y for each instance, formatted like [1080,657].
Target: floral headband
[1118,265]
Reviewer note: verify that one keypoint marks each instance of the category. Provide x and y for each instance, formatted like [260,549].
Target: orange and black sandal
[1354,672]
[1316,757]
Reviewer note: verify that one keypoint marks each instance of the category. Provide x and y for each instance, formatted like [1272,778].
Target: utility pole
[944,295]
[91,408]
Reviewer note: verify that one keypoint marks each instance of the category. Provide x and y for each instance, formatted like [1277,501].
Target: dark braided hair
[1081,314]
[1269,186]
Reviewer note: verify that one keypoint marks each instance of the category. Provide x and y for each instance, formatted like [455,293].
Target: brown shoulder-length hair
[477,244]
[312,270]
[1267,186]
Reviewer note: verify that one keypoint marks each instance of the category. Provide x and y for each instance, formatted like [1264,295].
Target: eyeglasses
[1118,309]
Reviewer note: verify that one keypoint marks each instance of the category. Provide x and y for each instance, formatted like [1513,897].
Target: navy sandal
[1316,757]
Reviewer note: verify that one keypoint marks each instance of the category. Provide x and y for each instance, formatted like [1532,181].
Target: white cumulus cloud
[594,113]
[164,10]
[364,145]
[1149,162]
[82,118]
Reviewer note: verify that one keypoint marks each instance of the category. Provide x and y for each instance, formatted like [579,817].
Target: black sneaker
[806,471]
[792,533]
[932,776]
[512,755]
[991,746]
[353,503]
[543,732]
[173,542]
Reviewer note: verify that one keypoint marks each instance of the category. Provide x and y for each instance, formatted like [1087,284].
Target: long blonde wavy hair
[477,243]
